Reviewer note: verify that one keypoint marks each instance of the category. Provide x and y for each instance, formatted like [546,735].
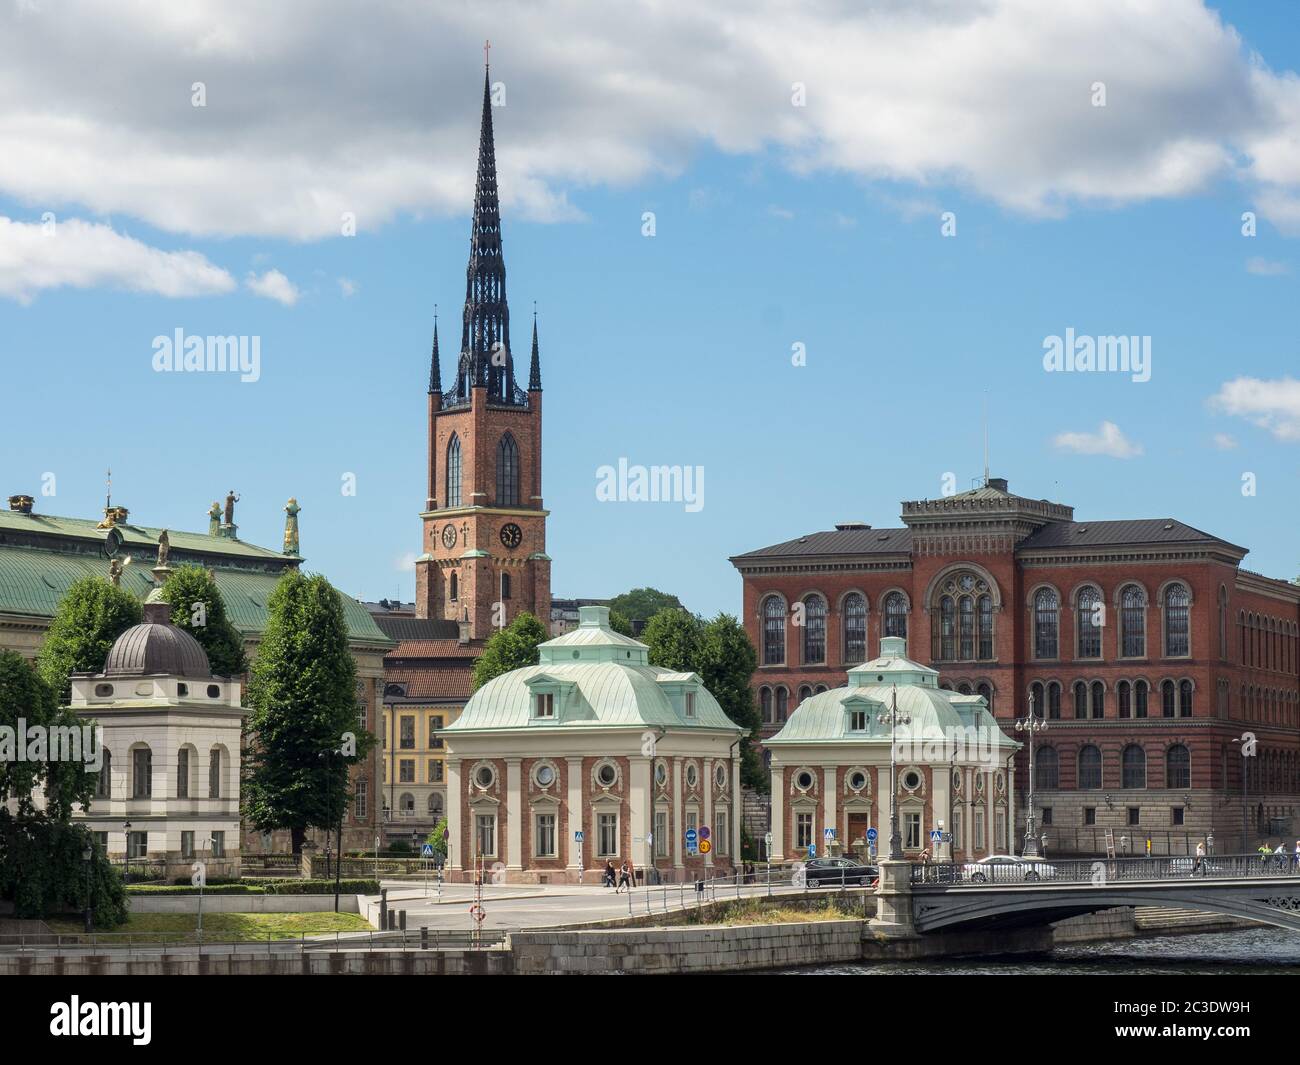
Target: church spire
[485,358]
[435,369]
[535,370]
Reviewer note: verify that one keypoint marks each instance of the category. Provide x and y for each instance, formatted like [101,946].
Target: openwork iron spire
[485,358]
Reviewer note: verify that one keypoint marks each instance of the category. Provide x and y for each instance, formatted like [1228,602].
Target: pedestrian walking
[1295,857]
[1281,856]
[1199,863]
[624,879]
[608,876]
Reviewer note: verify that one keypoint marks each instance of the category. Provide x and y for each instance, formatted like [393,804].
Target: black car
[840,871]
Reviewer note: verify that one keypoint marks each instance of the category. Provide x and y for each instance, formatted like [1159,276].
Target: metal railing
[1107,870]
[153,943]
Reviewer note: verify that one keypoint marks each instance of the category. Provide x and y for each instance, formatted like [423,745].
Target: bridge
[955,896]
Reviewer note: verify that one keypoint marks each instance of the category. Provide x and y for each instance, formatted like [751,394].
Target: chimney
[462,637]
[846,526]
[21,504]
[1000,483]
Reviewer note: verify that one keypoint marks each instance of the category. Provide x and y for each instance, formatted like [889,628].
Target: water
[1254,951]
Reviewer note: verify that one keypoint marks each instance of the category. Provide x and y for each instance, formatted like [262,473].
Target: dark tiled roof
[399,628]
[445,682]
[1117,533]
[839,542]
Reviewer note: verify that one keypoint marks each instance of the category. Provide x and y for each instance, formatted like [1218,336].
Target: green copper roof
[603,680]
[133,535]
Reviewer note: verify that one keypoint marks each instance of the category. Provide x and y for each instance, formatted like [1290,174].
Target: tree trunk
[296,835]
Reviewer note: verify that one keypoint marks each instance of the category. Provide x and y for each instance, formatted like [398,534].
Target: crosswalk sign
[426,851]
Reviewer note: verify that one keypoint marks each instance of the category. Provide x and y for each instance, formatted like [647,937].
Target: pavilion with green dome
[593,755]
[830,766]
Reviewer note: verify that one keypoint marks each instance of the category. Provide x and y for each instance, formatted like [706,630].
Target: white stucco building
[831,765]
[169,787]
[592,740]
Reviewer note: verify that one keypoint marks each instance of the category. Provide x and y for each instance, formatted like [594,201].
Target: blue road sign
[812,850]
[577,836]
[872,835]
[426,851]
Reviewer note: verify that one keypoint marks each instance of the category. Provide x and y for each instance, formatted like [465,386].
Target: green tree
[513,647]
[91,615]
[620,623]
[674,638]
[726,664]
[197,607]
[436,841]
[42,870]
[641,604]
[302,696]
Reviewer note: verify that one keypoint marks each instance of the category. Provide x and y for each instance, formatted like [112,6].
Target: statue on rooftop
[164,549]
[291,510]
[231,500]
[214,519]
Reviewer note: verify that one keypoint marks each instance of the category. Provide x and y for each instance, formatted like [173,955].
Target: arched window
[1178,767]
[1054,701]
[1167,699]
[1223,622]
[1124,694]
[1133,622]
[805,692]
[819,689]
[1141,690]
[434,806]
[896,615]
[1177,630]
[104,786]
[855,628]
[1098,699]
[782,705]
[765,705]
[985,689]
[141,772]
[814,630]
[505,587]
[773,631]
[964,688]
[1133,767]
[1047,768]
[1047,623]
[454,588]
[985,605]
[453,471]
[1088,622]
[507,472]
[1089,768]
[1080,699]
[1185,699]
[214,773]
[947,628]
[406,804]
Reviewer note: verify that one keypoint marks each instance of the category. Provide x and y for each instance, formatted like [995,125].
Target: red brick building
[1155,658]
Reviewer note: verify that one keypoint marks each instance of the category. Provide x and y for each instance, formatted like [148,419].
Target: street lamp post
[126,852]
[893,719]
[1031,724]
[87,853]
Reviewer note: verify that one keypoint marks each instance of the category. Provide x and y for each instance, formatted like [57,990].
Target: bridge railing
[1106,870]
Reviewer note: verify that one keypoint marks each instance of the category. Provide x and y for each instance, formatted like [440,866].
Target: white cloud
[1269,404]
[1225,441]
[1262,267]
[1107,440]
[777,211]
[993,97]
[273,285]
[347,286]
[405,563]
[77,254]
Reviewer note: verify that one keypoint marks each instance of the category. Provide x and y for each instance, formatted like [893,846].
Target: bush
[263,887]
[322,887]
[187,889]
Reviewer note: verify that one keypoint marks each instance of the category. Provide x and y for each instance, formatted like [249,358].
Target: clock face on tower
[511,535]
[449,536]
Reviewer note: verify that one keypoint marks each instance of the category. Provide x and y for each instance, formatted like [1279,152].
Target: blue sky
[674,349]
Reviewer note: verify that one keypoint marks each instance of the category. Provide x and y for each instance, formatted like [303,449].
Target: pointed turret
[435,369]
[485,358]
[535,369]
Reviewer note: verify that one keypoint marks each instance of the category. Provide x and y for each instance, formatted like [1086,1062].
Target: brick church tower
[484,557]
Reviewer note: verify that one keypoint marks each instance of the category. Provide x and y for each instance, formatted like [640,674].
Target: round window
[182,690]
[214,691]
[545,775]
[484,777]
[692,776]
[912,780]
[804,780]
[858,780]
[606,775]
[720,775]
[661,774]
[103,691]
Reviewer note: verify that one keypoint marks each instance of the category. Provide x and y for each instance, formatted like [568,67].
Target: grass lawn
[756,911]
[230,927]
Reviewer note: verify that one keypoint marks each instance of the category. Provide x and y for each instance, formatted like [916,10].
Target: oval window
[606,775]
[545,776]
[804,780]
[661,774]
[182,690]
[691,776]
[858,780]
[144,688]
[720,775]
[484,776]
[103,691]
[911,780]
[214,691]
